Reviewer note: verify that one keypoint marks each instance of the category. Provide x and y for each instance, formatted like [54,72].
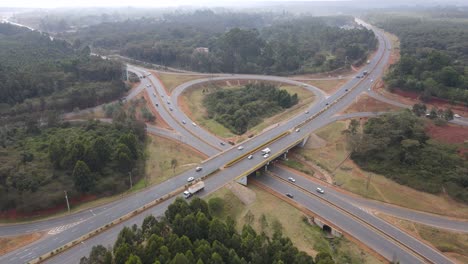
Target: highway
[311,184]
[83,222]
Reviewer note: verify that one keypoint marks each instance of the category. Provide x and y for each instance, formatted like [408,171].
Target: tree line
[433,55]
[243,108]
[40,73]
[237,42]
[396,146]
[190,234]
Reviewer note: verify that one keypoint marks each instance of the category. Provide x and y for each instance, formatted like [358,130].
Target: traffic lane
[331,196]
[205,134]
[52,242]
[208,145]
[420,217]
[355,228]
[106,238]
[189,137]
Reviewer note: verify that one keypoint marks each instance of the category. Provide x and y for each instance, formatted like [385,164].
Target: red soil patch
[8,244]
[452,134]
[366,103]
[14,215]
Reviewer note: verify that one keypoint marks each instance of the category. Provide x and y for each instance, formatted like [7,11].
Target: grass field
[171,81]
[350,177]
[454,245]
[267,213]
[328,86]
[193,102]
[160,153]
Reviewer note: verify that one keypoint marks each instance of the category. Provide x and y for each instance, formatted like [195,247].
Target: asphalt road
[359,226]
[421,217]
[81,223]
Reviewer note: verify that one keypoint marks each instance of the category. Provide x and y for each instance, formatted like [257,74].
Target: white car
[193,124]
[266,155]
[298,129]
[320,190]
[190,179]
[291,179]
[307,111]
[183,122]
[457,116]
[170,108]
[250,157]
[198,168]
[240,148]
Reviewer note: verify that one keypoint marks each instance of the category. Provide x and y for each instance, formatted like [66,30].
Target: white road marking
[60,229]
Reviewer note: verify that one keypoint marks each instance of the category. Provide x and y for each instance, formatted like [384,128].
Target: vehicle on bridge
[266,151]
[194,189]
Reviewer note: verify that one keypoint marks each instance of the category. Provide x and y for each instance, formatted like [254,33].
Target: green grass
[268,213]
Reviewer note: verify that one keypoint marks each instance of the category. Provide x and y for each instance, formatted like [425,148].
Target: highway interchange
[335,207]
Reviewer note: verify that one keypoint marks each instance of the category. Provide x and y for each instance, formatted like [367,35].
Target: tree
[173,165]
[180,258]
[448,114]
[324,258]
[216,205]
[133,259]
[82,177]
[419,109]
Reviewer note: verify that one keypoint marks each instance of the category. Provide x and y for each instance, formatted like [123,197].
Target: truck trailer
[194,189]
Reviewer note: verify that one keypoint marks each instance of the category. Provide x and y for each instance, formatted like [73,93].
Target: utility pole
[131,182]
[66,199]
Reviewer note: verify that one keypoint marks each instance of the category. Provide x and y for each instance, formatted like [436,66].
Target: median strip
[357,218]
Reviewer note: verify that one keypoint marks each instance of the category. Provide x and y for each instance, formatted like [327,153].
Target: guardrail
[234,161]
[357,218]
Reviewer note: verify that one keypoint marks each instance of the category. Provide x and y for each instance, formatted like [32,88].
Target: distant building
[202,50]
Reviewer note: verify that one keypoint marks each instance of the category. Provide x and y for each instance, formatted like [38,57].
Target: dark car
[290,195]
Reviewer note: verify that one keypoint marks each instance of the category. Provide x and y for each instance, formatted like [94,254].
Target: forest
[39,73]
[39,162]
[434,57]
[236,42]
[245,107]
[396,146]
[41,156]
[190,234]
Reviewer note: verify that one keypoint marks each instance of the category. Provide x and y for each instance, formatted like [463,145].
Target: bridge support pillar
[304,141]
[242,181]
[285,155]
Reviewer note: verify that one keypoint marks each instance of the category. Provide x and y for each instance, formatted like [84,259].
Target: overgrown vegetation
[433,54]
[189,234]
[39,73]
[396,146]
[243,108]
[236,42]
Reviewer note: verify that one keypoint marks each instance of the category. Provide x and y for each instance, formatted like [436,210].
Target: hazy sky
[155,3]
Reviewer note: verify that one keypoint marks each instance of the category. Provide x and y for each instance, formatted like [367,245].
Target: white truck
[194,189]
[266,151]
